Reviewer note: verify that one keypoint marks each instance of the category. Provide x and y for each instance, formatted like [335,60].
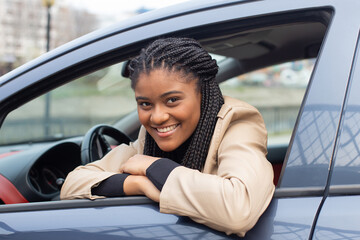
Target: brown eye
[144,104]
[172,100]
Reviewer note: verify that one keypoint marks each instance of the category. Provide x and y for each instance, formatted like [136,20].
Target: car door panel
[280,221]
[112,222]
[286,218]
[339,218]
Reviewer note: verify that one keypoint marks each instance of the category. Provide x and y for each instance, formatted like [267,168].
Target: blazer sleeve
[81,180]
[232,200]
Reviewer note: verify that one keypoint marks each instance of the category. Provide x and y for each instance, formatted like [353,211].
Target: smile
[167,129]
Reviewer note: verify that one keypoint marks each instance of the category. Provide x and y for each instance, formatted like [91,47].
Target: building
[23,29]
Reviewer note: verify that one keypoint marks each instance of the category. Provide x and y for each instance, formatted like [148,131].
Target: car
[296,61]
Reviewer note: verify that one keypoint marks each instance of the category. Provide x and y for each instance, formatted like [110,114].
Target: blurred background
[29,28]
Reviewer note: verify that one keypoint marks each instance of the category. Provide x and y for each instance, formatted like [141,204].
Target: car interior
[244,46]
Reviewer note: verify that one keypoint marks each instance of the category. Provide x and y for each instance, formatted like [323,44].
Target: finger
[122,168]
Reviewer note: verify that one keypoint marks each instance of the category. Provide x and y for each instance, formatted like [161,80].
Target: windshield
[103,96]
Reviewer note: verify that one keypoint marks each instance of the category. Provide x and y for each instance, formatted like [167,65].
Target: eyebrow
[170,92]
[141,98]
[162,95]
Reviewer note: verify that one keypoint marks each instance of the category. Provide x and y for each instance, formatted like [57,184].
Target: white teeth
[167,129]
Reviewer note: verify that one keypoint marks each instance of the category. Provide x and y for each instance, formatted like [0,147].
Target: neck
[178,154]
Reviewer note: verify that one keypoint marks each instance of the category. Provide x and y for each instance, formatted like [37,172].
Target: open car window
[103,96]
[267,63]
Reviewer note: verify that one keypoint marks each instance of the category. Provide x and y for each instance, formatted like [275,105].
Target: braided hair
[184,55]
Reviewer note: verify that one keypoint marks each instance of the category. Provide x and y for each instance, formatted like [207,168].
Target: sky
[117,10]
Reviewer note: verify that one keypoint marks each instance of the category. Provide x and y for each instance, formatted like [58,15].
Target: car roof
[136,21]
[275,44]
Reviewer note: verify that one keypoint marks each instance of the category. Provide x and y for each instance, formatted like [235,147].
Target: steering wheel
[95,146]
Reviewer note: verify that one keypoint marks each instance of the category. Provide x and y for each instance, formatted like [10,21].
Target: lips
[166,129]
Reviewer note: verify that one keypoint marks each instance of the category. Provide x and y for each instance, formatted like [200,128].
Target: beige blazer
[229,195]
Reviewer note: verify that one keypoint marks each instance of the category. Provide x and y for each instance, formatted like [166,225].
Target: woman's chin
[167,148]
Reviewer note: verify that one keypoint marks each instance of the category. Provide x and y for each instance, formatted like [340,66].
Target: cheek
[192,115]
[143,116]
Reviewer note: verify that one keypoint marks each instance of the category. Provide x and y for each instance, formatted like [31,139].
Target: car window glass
[347,157]
[103,96]
[277,92]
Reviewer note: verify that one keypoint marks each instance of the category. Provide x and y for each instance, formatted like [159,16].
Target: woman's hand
[141,185]
[137,164]
[137,183]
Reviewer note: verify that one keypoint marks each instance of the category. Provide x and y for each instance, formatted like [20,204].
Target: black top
[157,173]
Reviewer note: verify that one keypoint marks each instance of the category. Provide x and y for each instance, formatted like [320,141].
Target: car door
[313,148]
[340,214]
[300,191]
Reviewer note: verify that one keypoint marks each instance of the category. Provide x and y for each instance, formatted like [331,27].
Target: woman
[198,154]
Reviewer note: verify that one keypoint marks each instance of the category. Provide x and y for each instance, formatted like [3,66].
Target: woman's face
[168,107]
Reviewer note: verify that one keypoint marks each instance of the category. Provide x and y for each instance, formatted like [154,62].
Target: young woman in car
[198,154]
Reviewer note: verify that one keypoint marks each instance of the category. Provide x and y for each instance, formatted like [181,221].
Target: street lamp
[48,4]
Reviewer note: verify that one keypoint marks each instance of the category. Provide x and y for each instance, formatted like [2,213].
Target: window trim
[76,203]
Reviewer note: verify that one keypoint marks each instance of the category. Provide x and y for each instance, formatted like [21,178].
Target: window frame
[107,51]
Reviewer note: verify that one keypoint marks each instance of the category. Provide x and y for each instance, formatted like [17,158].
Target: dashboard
[38,172]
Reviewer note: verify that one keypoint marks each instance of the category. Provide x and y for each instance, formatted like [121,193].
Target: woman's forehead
[168,75]
[160,80]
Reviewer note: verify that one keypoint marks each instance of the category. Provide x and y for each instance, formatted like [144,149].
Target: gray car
[296,61]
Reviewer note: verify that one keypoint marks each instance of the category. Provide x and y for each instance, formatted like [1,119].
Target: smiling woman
[169,110]
[197,151]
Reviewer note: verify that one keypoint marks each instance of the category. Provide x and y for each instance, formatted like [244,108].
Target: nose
[159,115]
